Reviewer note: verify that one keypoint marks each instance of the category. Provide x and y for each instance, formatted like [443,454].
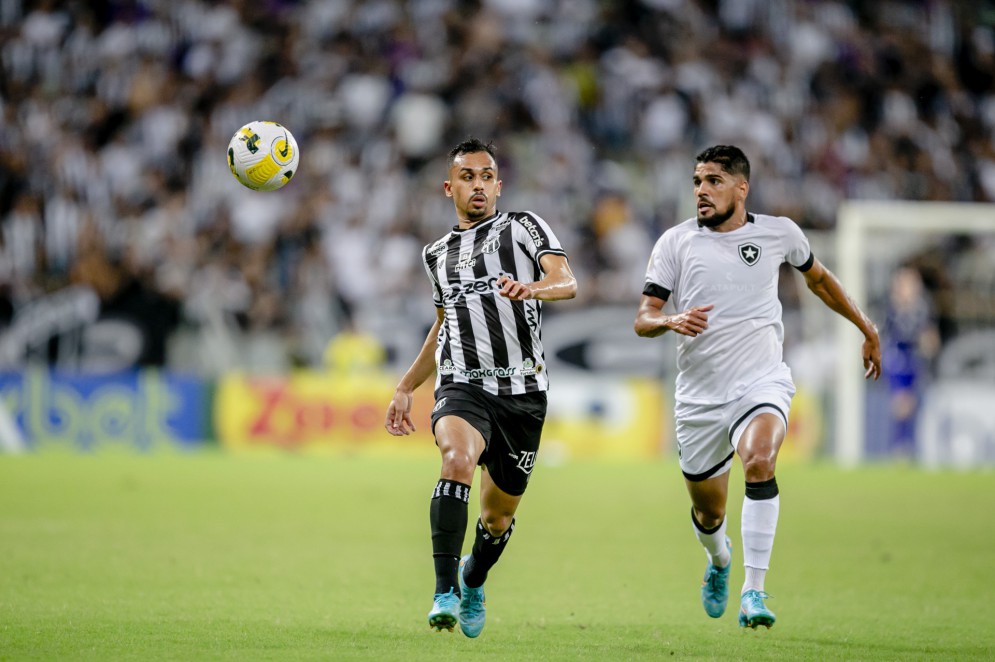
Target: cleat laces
[717,581]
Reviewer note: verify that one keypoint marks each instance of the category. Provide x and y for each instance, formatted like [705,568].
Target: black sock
[764,489]
[486,552]
[447,515]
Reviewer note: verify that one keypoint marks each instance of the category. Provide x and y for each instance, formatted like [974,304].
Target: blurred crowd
[117,115]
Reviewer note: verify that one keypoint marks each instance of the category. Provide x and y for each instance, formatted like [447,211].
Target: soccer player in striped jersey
[733,389]
[490,274]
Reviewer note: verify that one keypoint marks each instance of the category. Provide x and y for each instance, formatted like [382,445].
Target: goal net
[925,273]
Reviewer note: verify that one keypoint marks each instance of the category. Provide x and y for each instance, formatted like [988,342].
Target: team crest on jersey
[749,253]
[492,243]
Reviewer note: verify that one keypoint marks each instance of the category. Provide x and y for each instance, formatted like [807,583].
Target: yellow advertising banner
[315,411]
[322,411]
[598,417]
[805,426]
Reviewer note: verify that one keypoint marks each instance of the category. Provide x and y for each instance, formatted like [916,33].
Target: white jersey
[737,272]
[488,340]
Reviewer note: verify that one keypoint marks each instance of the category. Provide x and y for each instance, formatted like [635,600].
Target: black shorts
[510,425]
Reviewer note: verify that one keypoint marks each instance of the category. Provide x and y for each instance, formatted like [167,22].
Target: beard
[478,213]
[718,217]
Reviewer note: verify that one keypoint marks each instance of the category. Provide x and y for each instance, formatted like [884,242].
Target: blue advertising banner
[142,409]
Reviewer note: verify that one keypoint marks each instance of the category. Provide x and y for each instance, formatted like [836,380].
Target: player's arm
[398,421]
[558,282]
[651,321]
[827,287]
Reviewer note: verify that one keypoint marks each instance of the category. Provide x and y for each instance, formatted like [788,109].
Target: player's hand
[872,356]
[513,290]
[691,322]
[398,421]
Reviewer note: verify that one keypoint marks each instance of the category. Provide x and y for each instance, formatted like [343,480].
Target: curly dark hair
[729,157]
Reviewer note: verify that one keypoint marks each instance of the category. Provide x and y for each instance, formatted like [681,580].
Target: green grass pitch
[214,557]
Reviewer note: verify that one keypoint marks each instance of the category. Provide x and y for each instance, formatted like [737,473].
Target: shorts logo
[491,244]
[749,253]
[526,461]
[439,405]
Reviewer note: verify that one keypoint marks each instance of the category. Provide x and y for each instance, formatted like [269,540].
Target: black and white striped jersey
[488,340]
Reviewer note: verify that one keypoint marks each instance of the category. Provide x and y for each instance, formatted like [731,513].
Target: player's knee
[709,517]
[496,526]
[458,464]
[496,523]
[759,466]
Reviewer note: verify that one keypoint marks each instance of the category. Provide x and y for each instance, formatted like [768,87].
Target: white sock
[714,543]
[759,526]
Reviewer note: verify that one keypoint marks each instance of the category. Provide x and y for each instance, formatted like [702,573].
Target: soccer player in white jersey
[733,389]
[490,275]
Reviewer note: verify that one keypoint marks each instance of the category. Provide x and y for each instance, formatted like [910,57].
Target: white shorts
[707,435]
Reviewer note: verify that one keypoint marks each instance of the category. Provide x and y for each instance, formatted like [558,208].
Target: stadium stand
[116,115]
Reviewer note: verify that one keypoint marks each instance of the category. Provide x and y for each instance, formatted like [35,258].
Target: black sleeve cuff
[654,290]
[808,263]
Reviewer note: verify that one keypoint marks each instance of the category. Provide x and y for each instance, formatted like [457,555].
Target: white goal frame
[855,221]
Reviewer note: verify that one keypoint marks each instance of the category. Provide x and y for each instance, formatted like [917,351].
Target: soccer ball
[263,155]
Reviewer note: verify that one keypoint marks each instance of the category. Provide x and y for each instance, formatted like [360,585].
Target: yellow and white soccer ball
[263,155]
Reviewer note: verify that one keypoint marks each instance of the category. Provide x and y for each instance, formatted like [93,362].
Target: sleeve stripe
[554,251]
[654,290]
[808,263]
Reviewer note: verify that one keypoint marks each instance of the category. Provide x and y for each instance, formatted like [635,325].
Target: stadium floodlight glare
[858,222]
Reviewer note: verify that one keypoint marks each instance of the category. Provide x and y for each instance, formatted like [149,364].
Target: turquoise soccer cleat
[715,587]
[472,606]
[445,611]
[753,612]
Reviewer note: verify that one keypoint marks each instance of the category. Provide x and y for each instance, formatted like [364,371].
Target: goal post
[860,225]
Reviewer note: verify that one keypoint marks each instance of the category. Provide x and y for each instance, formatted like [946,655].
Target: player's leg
[758,447]
[708,516]
[460,445]
[706,455]
[507,467]
[497,521]
[494,528]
